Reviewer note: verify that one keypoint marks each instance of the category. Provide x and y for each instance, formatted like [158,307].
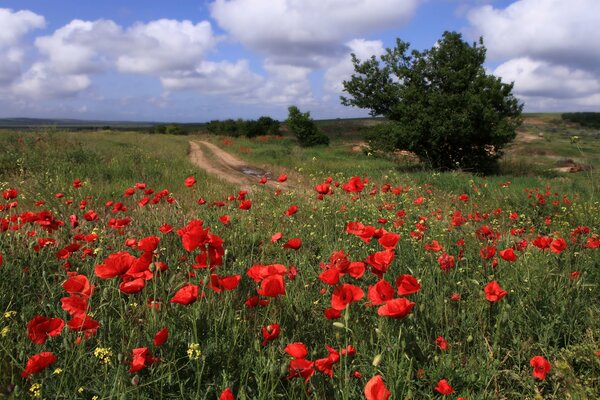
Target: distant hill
[69,123]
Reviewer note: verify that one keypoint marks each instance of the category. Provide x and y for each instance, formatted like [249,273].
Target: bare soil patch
[229,168]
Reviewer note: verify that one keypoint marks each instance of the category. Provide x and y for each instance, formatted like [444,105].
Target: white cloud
[343,69]
[542,79]
[42,82]
[549,48]
[307,32]
[16,24]
[557,31]
[215,78]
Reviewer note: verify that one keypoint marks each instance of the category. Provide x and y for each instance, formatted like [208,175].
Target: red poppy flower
[446,262]
[74,305]
[141,359]
[220,283]
[277,236]
[132,286]
[259,272]
[301,368]
[434,246]
[80,285]
[541,367]
[354,185]
[493,291]
[332,313]
[282,178]
[291,211]
[487,252]
[0,259]
[443,387]
[407,284]
[254,301]
[396,308]
[188,294]
[389,240]
[263,180]
[325,365]
[375,389]
[40,328]
[226,394]
[380,293]
[149,243]
[270,333]
[380,262]
[114,265]
[294,244]
[558,245]
[272,286]
[296,350]
[225,219]
[245,205]
[441,342]
[37,363]
[190,181]
[161,337]
[166,228]
[344,295]
[508,255]
[83,323]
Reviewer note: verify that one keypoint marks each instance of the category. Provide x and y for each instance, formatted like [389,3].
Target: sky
[195,61]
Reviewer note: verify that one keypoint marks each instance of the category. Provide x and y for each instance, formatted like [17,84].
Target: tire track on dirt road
[229,168]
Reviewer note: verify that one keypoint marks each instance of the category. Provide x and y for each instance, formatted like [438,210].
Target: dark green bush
[304,128]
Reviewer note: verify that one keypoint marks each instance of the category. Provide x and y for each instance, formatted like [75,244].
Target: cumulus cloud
[306,32]
[343,69]
[15,25]
[557,31]
[42,82]
[549,48]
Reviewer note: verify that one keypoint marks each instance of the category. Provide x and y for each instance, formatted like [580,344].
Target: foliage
[585,119]
[302,125]
[249,128]
[449,111]
[170,129]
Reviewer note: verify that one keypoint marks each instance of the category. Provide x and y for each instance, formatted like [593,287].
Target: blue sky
[200,60]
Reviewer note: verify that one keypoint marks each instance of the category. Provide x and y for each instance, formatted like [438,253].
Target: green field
[447,223]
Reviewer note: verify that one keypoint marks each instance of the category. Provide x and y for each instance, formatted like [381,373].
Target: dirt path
[228,167]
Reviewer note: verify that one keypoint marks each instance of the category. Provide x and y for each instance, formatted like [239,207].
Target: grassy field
[97,207]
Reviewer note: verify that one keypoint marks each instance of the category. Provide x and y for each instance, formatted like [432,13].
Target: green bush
[585,119]
[304,128]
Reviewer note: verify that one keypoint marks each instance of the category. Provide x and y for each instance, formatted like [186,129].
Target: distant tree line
[240,127]
[585,119]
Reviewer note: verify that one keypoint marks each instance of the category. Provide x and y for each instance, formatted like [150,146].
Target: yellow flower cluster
[103,354]
[193,351]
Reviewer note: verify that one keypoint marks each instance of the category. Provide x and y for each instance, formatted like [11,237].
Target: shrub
[304,128]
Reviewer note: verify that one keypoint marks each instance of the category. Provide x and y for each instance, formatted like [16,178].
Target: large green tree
[443,105]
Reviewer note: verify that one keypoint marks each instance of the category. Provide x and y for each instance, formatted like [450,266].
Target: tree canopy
[443,105]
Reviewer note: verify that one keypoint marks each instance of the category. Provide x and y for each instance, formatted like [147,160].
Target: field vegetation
[127,272]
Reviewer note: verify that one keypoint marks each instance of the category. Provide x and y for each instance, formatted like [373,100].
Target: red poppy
[40,328]
[354,185]
[294,244]
[375,389]
[277,236]
[282,178]
[114,265]
[380,293]
[380,262]
[558,245]
[270,333]
[226,394]
[83,323]
[220,283]
[344,295]
[325,365]
[254,301]
[141,359]
[0,259]
[132,286]
[441,342]
[434,246]
[188,294]
[296,350]
[149,243]
[493,291]
[487,252]
[193,235]
[300,367]
[407,284]
[446,262]
[541,367]
[37,363]
[332,313]
[508,255]
[225,219]
[259,272]
[245,205]
[263,180]
[291,211]
[389,240]
[190,181]
[396,308]
[166,228]
[161,337]
[444,388]
[272,286]
[80,285]
[74,305]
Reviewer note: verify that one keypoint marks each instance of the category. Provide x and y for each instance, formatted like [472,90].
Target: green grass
[490,344]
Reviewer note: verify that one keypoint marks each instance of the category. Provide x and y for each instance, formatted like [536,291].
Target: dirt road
[229,168]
